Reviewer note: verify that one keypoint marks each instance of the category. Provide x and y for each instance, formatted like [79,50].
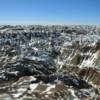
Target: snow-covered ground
[37,62]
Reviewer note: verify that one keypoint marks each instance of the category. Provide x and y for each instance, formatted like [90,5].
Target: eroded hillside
[49,62]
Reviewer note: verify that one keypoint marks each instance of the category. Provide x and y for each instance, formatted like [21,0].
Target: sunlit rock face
[49,62]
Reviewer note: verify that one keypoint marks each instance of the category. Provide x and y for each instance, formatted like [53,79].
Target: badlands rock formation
[49,62]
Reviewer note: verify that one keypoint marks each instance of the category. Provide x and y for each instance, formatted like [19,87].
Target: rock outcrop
[49,62]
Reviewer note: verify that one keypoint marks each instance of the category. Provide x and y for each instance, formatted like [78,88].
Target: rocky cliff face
[39,63]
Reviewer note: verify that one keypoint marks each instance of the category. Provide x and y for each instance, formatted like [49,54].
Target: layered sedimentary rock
[38,62]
